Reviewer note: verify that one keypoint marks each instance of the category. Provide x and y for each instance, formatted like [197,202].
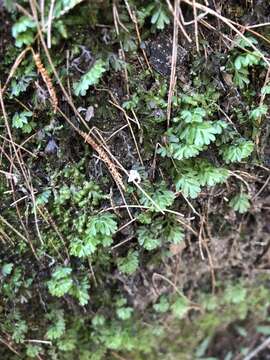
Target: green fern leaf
[23,23]
[265,90]
[210,175]
[240,78]
[19,120]
[200,134]
[160,18]
[237,152]
[240,203]
[180,308]
[102,224]
[188,184]
[57,329]
[162,306]
[235,294]
[61,282]
[161,196]
[174,233]
[129,264]
[124,313]
[258,112]
[148,239]
[181,151]
[80,291]
[92,77]
[193,116]
[83,248]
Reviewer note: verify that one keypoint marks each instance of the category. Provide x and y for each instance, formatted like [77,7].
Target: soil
[160,52]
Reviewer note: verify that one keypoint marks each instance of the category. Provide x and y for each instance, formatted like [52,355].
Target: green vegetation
[127,233]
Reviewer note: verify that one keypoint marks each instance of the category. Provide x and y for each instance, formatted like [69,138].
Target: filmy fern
[92,77]
[130,263]
[162,306]
[180,307]
[124,313]
[19,330]
[160,195]
[62,283]
[160,17]
[33,351]
[22,31]
[149,236]
[195,174]
[240,203]
[22,79]
[265,90]
[159,231]
[237,151]
[58,325]
[192,134]
[258,112]
[98,232]
[188,184]
[243,61]
[20,121]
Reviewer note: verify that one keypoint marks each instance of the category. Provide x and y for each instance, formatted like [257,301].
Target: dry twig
[46,78]
[257,350]
[174,60]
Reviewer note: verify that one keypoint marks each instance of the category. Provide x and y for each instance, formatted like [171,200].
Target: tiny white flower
[134,176]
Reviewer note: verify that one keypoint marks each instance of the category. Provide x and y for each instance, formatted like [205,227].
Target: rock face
[160,55]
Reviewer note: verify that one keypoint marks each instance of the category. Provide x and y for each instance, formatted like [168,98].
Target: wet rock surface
[160,55]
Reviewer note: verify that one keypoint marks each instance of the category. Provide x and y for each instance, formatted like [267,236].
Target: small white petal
[134,176]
